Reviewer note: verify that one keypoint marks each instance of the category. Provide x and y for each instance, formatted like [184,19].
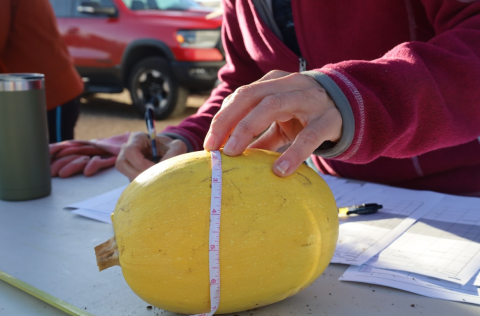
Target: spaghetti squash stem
[107,254]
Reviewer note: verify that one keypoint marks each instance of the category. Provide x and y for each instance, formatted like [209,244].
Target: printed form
[363,236]
[414,283]
[444,243]
[350,192]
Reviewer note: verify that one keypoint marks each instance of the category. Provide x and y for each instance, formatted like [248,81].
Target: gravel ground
[104,115]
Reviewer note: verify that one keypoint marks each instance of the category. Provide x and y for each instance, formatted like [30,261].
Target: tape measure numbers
[214,235]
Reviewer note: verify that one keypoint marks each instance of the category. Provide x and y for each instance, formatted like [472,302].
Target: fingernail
[209,141]
[283,166]
[230,145]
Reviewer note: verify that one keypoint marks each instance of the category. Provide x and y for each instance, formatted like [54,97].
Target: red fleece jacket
[409,68]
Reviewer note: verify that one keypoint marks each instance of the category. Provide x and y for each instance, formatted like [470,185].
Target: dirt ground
[104,115]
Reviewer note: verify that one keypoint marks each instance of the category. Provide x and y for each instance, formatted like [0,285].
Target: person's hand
[295,108]
[134,157]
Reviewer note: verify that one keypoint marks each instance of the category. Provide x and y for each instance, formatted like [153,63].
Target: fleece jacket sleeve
[419,96]
[238,65]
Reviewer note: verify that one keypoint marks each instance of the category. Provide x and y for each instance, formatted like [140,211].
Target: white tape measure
[214,236]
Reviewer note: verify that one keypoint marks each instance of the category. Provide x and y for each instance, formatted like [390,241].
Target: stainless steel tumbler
[24,155]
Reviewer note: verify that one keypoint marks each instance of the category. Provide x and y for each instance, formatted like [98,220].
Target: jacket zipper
[303,64]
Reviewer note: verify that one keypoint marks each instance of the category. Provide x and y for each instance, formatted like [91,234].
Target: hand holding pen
[143,150]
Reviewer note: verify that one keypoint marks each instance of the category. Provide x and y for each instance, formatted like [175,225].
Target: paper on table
[414,283]
[348,192]
[357,194]
[99,216]
[362,237]
[477,280]
[444,243]
[99,207]
[331,180]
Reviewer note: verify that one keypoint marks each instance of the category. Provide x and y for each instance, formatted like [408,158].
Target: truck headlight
[198,38]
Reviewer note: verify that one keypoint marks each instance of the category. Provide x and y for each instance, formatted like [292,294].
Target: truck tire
[151,80]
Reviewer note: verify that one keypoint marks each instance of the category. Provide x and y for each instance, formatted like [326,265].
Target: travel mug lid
[21,82]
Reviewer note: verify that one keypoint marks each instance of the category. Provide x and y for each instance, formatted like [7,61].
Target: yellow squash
[277,234]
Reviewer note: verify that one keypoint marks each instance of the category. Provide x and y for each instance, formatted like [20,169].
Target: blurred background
[104,115]
[133,52]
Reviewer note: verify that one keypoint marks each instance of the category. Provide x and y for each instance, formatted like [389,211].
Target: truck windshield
[160,4]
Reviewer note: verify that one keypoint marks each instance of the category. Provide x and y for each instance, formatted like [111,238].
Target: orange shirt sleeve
[35,45]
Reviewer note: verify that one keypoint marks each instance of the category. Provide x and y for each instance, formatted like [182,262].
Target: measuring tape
[214,235]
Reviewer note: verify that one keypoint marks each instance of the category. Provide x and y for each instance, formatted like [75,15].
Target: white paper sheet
[99,207]
[357,194]
[362,237]
[99,216]
[349,192]
[414,283]
[444,243]
[477,280]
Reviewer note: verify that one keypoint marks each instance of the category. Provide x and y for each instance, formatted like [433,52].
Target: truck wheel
[151,80]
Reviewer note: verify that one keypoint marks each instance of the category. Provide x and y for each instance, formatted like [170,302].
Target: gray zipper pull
[303,64]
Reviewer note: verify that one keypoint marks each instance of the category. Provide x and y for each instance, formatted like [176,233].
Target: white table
[52,249]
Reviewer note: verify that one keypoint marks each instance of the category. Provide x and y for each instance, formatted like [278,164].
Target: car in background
[160,50]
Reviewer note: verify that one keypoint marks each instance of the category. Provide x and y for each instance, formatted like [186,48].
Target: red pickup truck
[160,50]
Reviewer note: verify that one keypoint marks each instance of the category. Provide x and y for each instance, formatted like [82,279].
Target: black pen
[150,120]
[362,209]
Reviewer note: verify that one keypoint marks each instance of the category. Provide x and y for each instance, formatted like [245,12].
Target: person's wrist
[331,149]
